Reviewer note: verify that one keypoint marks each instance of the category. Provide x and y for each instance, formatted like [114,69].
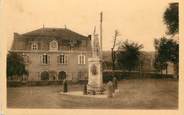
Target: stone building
[54,53]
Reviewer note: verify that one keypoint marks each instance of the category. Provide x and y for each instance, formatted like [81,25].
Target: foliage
[167,51]
[159,64]
[107,64]
[15,65]
[129,55]
[171,18]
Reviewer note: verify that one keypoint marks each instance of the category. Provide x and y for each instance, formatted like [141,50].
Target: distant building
[53,53]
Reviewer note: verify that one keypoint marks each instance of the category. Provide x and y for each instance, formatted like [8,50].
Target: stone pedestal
[95,80]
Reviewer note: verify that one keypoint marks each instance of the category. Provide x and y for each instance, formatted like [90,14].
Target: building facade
[54,54]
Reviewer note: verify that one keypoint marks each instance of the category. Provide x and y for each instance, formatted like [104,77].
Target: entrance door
[45,75]
[62,75]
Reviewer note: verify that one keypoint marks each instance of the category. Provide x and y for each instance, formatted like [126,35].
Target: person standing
[115,83]
[110,89]
[65,86]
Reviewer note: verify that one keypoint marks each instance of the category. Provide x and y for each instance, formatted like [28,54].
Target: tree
[166,51]
[15,65]
[129,55]
[159,64]
[171,18]
[161,56]
[113,53]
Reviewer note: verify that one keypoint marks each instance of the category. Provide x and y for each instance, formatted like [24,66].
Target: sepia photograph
[92,54]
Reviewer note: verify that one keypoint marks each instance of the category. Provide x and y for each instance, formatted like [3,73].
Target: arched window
[81,59]
[45,75]
[34,46]
[62,75]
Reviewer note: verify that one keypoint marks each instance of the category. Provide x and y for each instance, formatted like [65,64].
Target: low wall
[106,77]
[32,83]
[134,75]
[40,83]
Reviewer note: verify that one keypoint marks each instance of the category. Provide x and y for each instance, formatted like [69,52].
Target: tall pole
[101,19]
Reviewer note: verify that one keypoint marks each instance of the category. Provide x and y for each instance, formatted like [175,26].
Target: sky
[136,20]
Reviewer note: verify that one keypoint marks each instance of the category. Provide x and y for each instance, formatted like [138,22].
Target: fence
[107,75]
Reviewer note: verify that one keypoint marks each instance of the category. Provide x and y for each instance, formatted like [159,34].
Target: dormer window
[34,46]
[54,45]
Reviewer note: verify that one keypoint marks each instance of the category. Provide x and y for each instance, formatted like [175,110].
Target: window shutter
[81,59]
[66,59]
[41,62]
[84,59]
[48,60]
[78,59]
[58,59]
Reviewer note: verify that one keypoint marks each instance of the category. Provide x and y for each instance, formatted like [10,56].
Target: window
[82,75]
[45,75]
[63,59]
[34,46]
[81,59]
[26,58]
[62,75]
[45,59]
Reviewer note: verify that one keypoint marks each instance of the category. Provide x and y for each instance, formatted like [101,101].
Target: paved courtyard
[134,94]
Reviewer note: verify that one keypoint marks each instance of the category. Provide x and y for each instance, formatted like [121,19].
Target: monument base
[95,90]
[95,79]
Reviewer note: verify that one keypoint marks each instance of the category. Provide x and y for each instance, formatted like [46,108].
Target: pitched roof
[55,32]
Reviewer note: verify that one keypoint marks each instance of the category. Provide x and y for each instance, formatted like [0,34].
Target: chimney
[89,36]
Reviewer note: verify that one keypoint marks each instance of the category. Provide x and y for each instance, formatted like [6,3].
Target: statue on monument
[96,45]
